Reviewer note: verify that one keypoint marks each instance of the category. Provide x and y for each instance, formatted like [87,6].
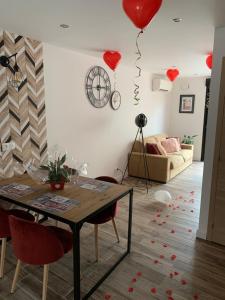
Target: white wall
[189,124]
[218,54]
[101,137]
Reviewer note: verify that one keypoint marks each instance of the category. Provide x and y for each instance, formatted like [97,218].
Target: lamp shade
[141,120]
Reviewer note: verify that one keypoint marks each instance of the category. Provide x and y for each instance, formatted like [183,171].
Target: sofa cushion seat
[176,160]
[187,154]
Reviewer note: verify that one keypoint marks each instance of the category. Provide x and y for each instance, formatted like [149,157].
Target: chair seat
[65,237]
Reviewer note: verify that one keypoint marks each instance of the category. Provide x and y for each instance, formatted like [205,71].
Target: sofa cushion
[187,154]
[170,145]
[178,140]
[152,149]
[176,160]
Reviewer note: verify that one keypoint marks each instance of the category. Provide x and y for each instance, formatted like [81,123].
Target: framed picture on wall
[187,104]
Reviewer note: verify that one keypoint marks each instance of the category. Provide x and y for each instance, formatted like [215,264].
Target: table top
[90,201]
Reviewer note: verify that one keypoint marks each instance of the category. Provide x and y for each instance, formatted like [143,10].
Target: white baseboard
[200,234]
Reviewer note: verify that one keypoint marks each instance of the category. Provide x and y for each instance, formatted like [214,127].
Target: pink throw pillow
[177,138]
[171,145]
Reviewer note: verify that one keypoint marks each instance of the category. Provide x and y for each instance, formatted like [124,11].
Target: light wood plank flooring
[167,262]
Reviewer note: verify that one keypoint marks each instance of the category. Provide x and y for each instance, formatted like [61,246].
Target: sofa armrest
[187,147]
[158,166]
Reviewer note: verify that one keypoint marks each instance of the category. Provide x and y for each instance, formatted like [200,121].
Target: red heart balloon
[209,61]
[172,74]
[141,12]
[112,59]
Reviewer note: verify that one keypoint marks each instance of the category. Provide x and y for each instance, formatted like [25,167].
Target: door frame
[219,127]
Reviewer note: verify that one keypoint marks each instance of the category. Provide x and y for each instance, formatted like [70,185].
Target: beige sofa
[161,168]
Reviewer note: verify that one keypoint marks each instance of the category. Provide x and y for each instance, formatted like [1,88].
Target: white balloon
[163,196]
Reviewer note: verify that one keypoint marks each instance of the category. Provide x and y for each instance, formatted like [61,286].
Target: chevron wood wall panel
[22,110]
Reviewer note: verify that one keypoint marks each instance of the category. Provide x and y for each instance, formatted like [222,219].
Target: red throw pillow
[152,149]
[171,145]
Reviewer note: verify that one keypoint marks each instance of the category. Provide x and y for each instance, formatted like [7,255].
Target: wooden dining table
[89,203]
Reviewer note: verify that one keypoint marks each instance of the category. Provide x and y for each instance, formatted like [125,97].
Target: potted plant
[58,173]
[189,139]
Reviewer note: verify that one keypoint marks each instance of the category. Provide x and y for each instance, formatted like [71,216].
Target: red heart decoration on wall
[209,61]
[172,74]
[112,59]
[141,12]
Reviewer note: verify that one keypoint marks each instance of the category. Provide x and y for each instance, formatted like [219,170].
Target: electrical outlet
[8,146]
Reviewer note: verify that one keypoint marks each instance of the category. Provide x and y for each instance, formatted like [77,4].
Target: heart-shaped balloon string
[141,12]
[172,74]
[209,61]
[112,58]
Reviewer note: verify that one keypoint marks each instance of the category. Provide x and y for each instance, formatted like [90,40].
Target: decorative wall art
[98,87]
[187,103]
[22,109]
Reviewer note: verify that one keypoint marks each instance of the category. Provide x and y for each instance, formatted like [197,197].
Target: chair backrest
[34,243]
[4,224]
[107,179]
[111,211]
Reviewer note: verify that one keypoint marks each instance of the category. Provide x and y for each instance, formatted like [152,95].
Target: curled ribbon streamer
[115,78]
[139,56]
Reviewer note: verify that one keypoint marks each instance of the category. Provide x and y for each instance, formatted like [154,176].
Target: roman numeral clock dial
[98,87]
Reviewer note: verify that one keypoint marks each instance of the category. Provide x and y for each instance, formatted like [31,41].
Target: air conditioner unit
[159,84]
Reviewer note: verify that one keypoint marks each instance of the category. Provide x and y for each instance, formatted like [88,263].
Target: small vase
[57,186]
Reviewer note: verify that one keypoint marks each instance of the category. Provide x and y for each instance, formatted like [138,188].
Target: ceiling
[98,25]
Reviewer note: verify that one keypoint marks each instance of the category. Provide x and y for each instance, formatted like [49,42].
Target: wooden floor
[167,262]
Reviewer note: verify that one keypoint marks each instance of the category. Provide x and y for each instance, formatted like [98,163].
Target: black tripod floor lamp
[140,121]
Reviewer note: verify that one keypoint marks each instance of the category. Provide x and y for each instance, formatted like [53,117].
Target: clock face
[115,100]
[98,87]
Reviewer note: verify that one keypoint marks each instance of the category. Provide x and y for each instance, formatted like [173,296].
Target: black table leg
[76,260]
[130,220]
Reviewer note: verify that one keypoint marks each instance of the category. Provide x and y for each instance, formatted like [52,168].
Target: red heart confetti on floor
[172,231]
[156,261]
[134,280]
[153,242]
[158,216]
[183,282]
[162,256]
[171,275]
[153,290]
[107,297]
[130,290]
[139,274]
[170,298]
[169,292]
[196,297]
[173,257]
[165,245]
[164,222]
[176,273]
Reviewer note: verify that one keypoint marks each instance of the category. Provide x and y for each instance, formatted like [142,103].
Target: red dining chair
[36,244]
[5,230]
[107,215]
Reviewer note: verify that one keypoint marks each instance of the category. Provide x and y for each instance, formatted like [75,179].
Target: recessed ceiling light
[177,20]
[64,26]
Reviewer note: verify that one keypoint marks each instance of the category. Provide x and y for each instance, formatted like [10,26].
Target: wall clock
[115,100]
[98,87]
